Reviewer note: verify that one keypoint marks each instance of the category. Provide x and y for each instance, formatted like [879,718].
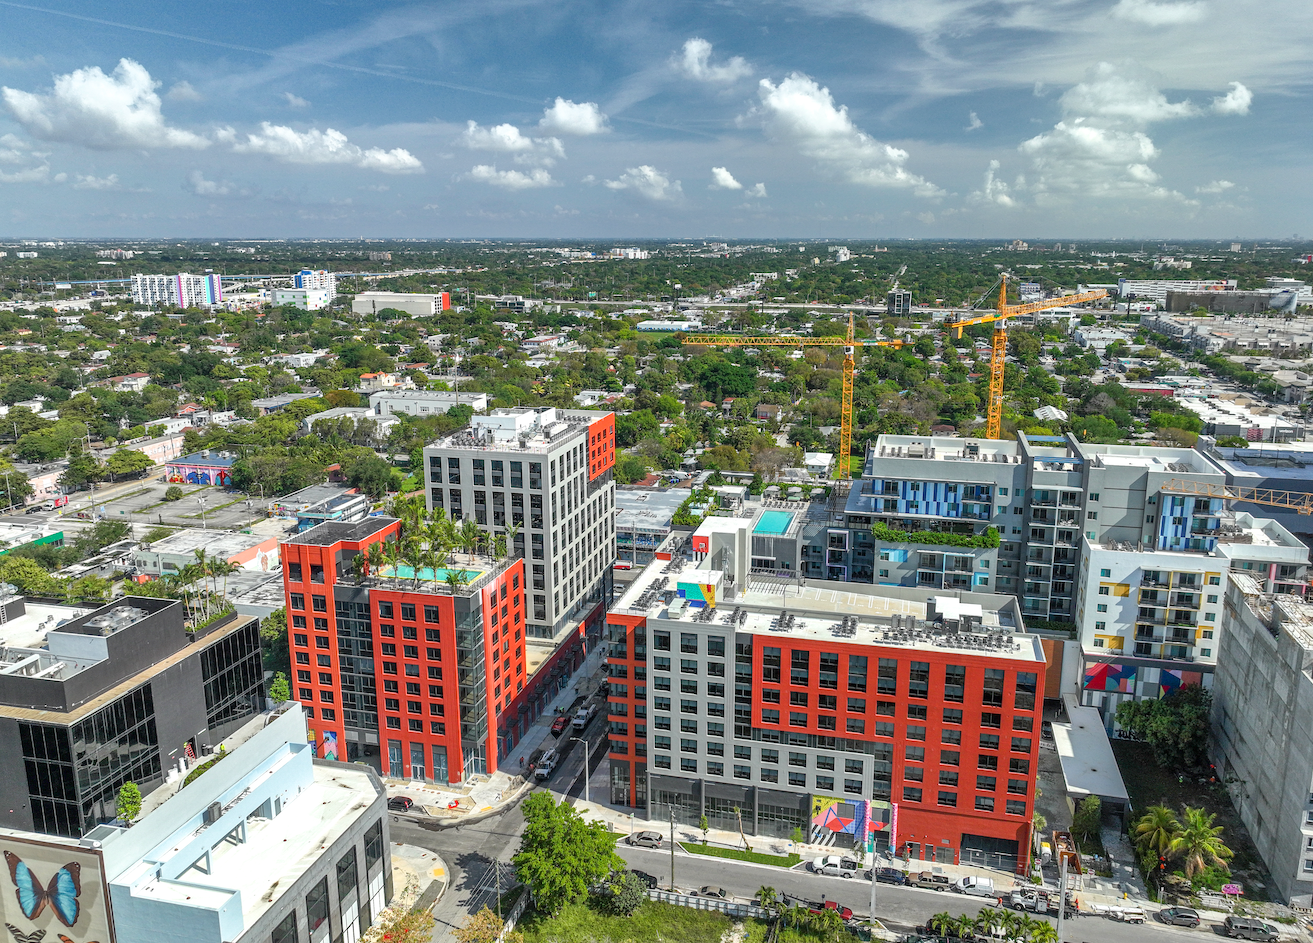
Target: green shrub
[987,540]
[174,493]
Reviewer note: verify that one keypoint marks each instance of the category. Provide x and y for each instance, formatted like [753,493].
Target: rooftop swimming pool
[773,522]
[429,575]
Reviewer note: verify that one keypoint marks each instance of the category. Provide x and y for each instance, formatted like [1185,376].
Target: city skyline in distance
[844,118]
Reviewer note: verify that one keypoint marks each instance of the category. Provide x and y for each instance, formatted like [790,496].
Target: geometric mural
[1110,678]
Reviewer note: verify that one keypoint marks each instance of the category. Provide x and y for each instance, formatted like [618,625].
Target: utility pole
[1062,893]
[496,870]
[870,854]
[672,848]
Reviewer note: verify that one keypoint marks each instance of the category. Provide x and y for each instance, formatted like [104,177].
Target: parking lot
[142,502]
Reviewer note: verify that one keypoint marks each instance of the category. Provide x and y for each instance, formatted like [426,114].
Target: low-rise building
[423,402]
[307,299]
[206,467]
[168,556]
[643,521]
[419,305]
[272,404]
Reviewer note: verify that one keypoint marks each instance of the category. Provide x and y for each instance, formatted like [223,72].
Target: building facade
[181,291]
[546,474]
[316,280]
[90,699]
[420,305]
[1262,741]
[423,402]
[836,712]
[423,678]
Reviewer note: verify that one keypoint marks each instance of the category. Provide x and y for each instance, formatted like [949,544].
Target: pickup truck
[816,906]
[936,882]
[583,716]
[1034,901]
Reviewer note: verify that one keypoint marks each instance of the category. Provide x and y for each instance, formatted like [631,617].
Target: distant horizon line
[1269,242]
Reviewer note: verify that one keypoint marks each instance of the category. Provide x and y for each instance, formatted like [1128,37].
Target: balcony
[1185,601]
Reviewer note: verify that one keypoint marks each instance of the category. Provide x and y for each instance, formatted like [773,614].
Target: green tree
[1175,726]
[17,489]
[625,894]
[1198,845]
[83,468]
[128,803]
[173,493]
[279,689]
[560,855]
[273,642]
[372,475]
[1085,823]
[485,927]
[127,462]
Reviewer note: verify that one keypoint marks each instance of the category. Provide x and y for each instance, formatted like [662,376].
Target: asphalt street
[471,850]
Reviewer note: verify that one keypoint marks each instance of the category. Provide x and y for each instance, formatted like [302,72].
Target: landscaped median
[738,854]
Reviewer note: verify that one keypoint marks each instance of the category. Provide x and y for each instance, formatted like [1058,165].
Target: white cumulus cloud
[647,181]
[757,190]
[295,101]
[508,139]
[576,118]
[1234,102]
[511,179]
[1217,186]
[30,175]
[88,107]
[974,123]
[1159,13]
[89,182]
[182,92]
[694,61]
[722,179]
[994,190]
[803,112]
[197,184]
[324,147]
[1122,93]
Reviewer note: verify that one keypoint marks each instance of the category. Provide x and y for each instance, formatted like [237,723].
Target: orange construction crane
[849,344]
[994,424]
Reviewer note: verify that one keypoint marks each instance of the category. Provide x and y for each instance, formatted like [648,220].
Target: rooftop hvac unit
[212,813]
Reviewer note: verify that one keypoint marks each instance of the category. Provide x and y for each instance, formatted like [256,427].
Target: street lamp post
[585,743]
[201,502]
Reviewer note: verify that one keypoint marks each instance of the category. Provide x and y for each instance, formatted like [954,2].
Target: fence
[729,908]
[517,911]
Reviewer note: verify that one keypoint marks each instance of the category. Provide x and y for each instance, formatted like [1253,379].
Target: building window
[984,803]
[1015,807]
[911,794]
[285,932]
[298,600]
[948,798]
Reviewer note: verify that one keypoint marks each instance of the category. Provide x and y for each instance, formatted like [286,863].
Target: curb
[431,823]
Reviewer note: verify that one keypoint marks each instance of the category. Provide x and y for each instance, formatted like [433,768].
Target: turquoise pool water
[427,575]
[773,522]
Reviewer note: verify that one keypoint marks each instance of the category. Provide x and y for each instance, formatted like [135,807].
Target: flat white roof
[29,630]
[213,542]
[1088,765]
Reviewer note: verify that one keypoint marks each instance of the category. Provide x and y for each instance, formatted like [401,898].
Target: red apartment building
[918,721]
[429,682]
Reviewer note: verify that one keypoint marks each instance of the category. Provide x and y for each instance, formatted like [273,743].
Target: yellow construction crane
[1300,501]
[994,423]
[849,343]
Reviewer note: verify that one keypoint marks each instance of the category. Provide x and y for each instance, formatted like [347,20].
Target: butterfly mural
[21,937]
[61,893]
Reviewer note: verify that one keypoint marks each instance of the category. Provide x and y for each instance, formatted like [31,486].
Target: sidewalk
[1103,892]
[483,794]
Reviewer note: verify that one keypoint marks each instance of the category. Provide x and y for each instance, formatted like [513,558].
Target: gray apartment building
[91,698]
[1001,516]
[1263,728]
[548,474]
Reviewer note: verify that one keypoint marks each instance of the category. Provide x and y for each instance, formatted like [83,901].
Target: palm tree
[766,897]
[943,923]
[358,564]
[1156,829]
[456,579]
[1199,842]
[1043,932]
[224,568]
[511,533]
[964,928]
[499,546]
[468,537]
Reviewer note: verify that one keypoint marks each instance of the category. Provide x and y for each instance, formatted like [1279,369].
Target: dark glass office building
[92,700]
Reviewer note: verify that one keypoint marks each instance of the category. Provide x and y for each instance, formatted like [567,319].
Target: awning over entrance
[1088,765]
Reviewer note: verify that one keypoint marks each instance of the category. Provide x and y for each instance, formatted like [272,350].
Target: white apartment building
[548,473]
[1151,620]
[307,299]
[182,290]
[423,402]
[316,280]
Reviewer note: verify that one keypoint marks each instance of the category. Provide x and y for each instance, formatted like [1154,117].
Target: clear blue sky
[610,118]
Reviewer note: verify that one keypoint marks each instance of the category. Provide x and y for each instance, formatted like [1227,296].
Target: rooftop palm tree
[468,537]
[943,923]
[456,579]
[511,533]
[1155,829]
[1198,844]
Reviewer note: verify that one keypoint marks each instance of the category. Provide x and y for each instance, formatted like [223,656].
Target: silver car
[645,839]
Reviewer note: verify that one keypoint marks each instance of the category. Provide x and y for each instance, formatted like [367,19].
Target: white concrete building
[419,305]
[423,402]
[307,299]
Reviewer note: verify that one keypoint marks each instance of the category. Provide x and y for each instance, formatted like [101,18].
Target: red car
[559,725]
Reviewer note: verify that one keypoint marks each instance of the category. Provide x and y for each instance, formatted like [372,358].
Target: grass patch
[652,922]
[738,854]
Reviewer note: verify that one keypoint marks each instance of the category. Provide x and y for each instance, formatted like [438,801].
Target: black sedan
[887,876]
[1179,917]
[400,803]
[648,879]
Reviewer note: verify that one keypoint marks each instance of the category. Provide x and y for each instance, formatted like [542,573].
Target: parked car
[400,804]
[817,906]
[887,876]
[645,839]
[1179,916]
[559,725]
[833,865]
[583,716]
[1247,928]
[1046,730]
[710,890]
[936,882]
[648,879]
